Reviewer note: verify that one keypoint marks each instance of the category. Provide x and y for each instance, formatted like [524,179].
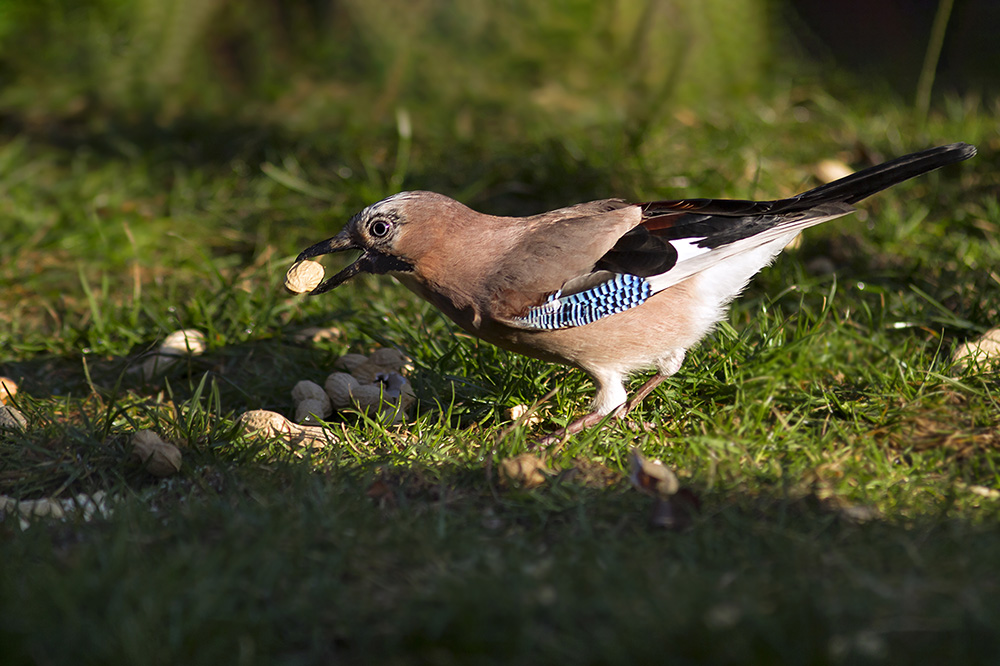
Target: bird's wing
[674,241]
[714,231]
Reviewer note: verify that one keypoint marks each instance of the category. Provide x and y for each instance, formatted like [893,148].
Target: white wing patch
[687,248]
[693,260]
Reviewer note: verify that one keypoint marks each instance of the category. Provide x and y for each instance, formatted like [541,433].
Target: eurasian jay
[609,287]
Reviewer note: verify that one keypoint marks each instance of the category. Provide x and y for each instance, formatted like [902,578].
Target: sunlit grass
[847,470]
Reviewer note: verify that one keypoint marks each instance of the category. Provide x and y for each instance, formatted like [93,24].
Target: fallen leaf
[652,476]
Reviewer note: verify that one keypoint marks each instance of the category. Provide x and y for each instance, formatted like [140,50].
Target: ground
[844,467]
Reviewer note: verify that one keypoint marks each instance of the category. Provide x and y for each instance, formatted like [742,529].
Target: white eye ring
[379,228]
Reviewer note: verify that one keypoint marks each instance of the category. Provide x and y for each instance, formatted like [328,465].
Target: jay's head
[391,234]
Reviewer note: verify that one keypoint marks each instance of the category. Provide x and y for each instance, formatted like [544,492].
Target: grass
[846,469]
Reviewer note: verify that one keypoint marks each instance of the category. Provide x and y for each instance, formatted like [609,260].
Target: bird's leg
[593,418]
[579,425]
[639,395]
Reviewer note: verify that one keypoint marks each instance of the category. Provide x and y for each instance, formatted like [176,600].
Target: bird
[609,287]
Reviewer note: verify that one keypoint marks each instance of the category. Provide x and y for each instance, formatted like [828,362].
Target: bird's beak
[338,243]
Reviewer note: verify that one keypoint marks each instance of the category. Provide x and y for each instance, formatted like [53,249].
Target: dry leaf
[675,512]
[673,506]
[652,476]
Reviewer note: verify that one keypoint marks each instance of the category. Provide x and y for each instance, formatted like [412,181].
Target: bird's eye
[379,228]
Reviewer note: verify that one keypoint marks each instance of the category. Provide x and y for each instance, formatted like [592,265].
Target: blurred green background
[339,64]
[335,63]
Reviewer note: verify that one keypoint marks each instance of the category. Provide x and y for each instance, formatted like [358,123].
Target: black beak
[339,243]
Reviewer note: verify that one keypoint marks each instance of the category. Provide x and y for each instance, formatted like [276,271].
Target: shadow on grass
[294,563]
[506,178]
[191,141]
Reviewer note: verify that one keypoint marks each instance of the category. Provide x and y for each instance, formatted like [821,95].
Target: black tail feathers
[852,189]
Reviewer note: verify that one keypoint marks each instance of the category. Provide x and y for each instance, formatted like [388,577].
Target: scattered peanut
[307,390]
[339,387]
[348,362]
[271,425]
[84,505]
[308,411]
[185,342]
[177,345]
[389,358]
[381,362]
[8,389]
[310,399]
[372,384]
[12,419]
[984,350]
[158,457]
[365,395]
[33,508]
[518,411]
[983,491]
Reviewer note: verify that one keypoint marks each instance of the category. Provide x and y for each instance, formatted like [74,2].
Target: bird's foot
[594,418]
[579,425]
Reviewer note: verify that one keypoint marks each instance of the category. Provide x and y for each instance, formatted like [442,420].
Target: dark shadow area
[360,564]
[886,40]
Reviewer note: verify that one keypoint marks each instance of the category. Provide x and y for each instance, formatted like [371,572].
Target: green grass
[843,464]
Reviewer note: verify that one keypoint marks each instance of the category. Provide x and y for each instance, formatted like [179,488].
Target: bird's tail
[852,189]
